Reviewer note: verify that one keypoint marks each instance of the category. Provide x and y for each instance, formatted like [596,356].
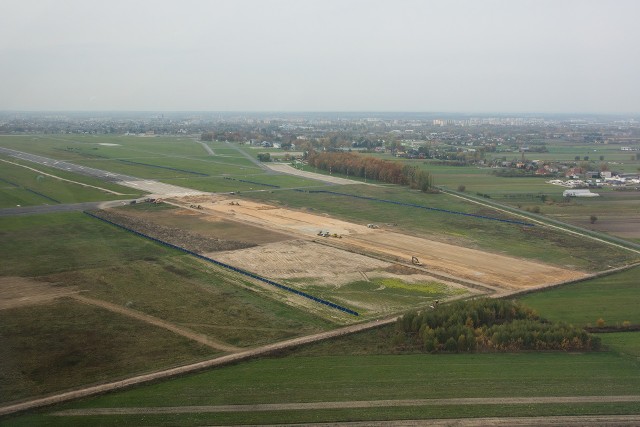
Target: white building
[579,193]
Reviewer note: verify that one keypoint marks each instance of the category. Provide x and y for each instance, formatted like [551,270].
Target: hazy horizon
[355,56]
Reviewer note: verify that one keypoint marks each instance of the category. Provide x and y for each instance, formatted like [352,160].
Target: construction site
[371,268]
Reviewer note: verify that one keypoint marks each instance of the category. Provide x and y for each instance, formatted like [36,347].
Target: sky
[502,56]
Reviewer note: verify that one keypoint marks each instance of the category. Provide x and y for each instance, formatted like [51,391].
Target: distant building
[579,193]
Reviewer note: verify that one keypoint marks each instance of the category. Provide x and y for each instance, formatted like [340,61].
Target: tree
[601,158]
[593,219]
[576,158]
[586,158]
[264,157]
[461,188]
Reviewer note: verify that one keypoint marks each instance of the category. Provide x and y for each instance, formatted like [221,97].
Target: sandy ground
[23,291]
[492,269]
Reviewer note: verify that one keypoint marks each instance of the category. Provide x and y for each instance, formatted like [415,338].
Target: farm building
[579,193]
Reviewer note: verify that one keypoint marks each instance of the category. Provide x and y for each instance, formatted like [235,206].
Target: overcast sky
[321,55]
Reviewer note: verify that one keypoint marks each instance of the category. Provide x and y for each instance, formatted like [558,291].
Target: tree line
[368,167]
[487,325]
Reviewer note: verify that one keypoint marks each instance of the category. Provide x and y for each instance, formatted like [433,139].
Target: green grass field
[105,263]
[20,186]
[345,378]
[614,298]
[46,348]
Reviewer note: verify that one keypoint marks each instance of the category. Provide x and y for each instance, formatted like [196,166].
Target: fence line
[230,267]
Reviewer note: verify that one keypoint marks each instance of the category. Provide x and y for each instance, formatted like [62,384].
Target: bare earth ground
[23,291]
[495,270]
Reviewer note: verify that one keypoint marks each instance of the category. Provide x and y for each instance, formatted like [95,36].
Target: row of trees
[352,164]
[487,325]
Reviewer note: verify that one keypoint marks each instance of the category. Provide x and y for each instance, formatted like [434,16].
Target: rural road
[357,404]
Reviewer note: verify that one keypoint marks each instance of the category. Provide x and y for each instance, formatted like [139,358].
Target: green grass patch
[35,245]
[380,296]
[47,348]
[627,343]
[196,295]
[614,298]
[26,187]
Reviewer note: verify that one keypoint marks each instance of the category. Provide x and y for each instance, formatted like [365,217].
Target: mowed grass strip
[65,344]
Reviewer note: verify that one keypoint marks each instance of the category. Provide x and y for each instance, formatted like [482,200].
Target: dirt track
[23,291]
[202,339]
[351,405]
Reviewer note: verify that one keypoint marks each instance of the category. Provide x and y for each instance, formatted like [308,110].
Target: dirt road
[353,404]
[202,339]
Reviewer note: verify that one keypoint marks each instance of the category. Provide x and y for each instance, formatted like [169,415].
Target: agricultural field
[147,307]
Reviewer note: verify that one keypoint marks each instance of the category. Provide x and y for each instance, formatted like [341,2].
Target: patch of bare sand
[300,259]
[452,260]
[24,291]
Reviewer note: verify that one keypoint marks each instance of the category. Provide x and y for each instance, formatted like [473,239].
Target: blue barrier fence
[163,167]
[230,267]
[509,221]
[252,182]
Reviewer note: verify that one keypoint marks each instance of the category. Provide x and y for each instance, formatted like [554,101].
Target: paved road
[147,185]
[289,170]
[206,148]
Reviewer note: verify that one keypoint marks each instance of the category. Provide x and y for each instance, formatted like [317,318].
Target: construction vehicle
[415,261]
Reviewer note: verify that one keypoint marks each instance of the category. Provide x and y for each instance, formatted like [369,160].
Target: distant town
[509,144]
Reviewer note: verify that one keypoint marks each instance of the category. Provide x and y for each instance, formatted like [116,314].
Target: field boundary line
[546,222]
[64,179]
[353,404]
[201,338]
[194,367]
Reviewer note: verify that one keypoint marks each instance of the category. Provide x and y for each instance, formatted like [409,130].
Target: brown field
[23,291]
[360,249]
